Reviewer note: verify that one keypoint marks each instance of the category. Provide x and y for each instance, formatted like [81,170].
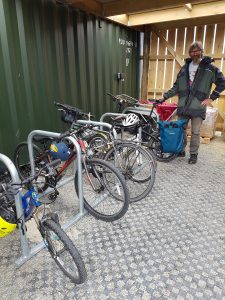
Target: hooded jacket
[190,97]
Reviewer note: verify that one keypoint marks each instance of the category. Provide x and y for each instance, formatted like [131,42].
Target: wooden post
[146,57]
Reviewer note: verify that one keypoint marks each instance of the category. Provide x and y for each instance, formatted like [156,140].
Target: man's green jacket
[190,97]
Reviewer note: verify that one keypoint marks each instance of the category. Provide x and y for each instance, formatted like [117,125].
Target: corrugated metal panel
[50,52]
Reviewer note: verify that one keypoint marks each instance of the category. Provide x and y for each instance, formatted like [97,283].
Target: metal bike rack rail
[109,114]
[99,124]
[139,109]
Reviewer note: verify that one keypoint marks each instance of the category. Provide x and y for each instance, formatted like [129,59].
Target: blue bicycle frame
[30,202]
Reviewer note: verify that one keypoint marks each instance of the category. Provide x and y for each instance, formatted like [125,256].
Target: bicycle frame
[65,165]
[29,202]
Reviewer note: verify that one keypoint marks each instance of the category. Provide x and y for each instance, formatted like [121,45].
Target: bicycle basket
[126,99]
[165,110]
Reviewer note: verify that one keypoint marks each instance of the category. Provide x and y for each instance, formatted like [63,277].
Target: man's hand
[207,102]
[161,100]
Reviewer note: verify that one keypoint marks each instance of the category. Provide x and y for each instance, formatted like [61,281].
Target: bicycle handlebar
[63,135]
[67,107]
[73,110]
[155,101]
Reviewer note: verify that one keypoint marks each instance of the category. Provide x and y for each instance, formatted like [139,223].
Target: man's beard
[196,59]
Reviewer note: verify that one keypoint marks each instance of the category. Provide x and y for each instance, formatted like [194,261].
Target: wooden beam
[169,47]
[150,91]
[184,23]
[92,6]
[145,71]
[122,19]
[183,56]
[178,13]
[134,6]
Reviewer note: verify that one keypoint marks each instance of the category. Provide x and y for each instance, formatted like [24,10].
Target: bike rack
[141,109]
[109,114]
[77,163]
[28,252]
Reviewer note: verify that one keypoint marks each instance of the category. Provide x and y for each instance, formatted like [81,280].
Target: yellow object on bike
[6,227]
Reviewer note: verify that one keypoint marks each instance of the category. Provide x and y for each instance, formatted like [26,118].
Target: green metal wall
[50,52]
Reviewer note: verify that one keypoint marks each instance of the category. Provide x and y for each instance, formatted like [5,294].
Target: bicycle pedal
[53,195]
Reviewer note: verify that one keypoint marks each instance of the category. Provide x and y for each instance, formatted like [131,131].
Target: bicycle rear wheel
[63,251]
[22,161]
[137,166]
[155,145]
[105,193]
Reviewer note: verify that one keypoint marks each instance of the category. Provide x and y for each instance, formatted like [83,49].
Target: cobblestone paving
[171,245]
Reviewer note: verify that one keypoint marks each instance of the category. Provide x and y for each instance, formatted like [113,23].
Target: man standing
[193,86]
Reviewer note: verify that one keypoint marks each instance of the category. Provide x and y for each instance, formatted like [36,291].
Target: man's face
[195,55]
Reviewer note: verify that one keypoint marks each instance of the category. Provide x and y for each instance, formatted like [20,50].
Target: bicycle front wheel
[63,251]
[105,193]
[99,143]
[137,166]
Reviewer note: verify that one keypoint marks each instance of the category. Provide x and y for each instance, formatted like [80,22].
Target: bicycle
[150,134]
[101,180]
[134,162]
[59,245]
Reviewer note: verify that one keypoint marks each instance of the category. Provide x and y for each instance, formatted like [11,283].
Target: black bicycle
[150,134]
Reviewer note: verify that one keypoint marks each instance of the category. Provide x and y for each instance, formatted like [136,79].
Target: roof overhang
[161,13]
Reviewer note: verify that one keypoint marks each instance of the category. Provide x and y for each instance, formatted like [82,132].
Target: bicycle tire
[155,145]
[99,144]
[79,275]
[114,190]
[136,165]
[21,159]
[22,163]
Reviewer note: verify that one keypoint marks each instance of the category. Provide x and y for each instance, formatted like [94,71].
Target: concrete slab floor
[170,245]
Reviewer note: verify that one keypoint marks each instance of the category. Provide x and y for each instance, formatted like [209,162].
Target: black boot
[193,159]
[181,154]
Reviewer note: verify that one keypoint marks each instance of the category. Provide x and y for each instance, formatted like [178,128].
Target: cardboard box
[208,125]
